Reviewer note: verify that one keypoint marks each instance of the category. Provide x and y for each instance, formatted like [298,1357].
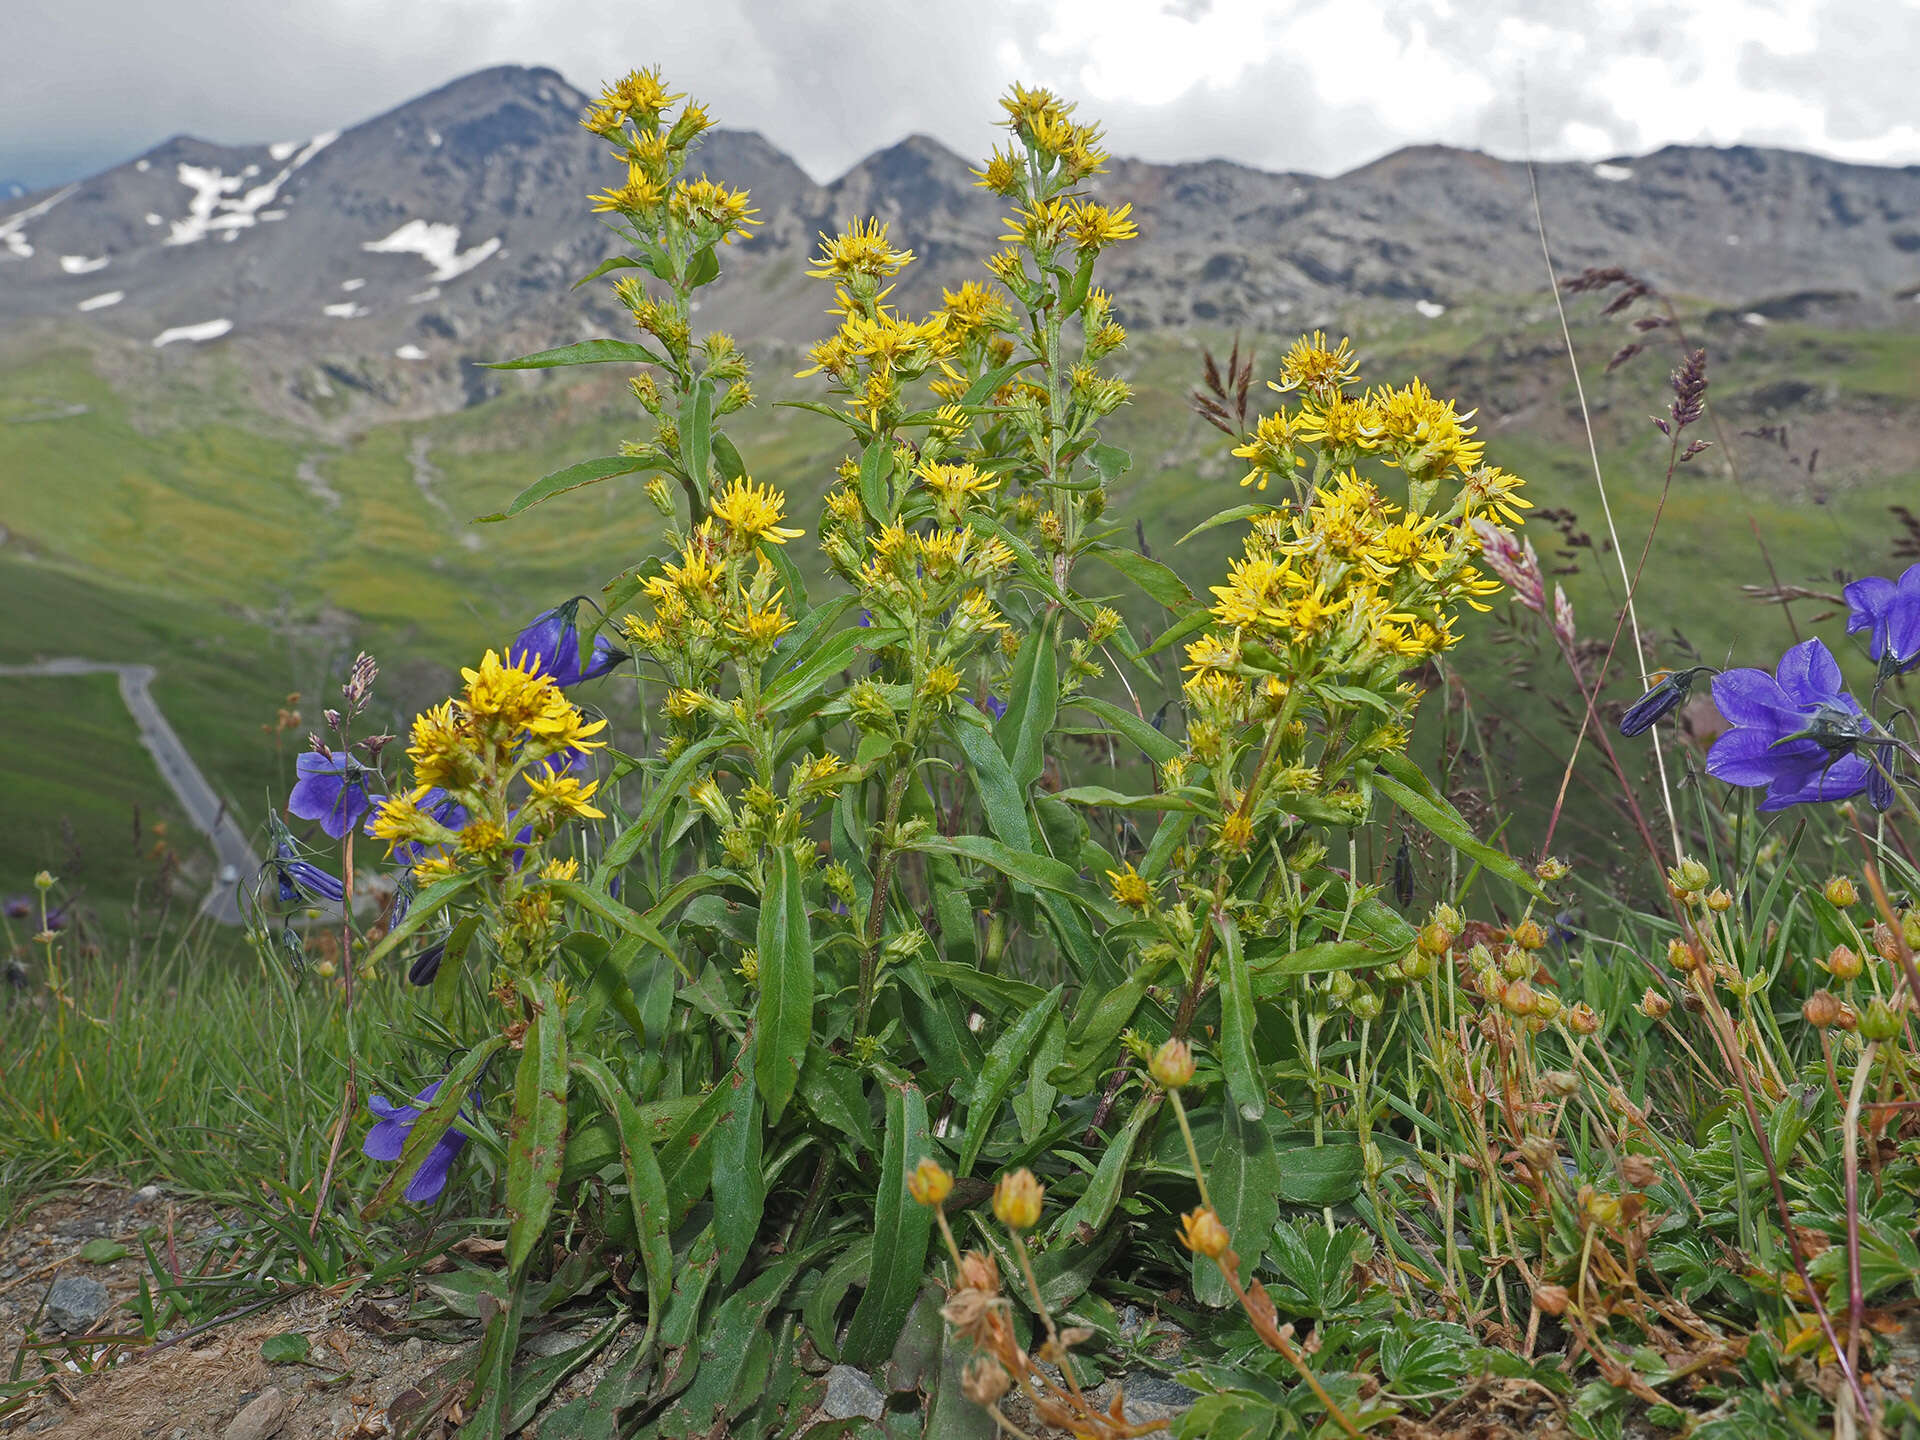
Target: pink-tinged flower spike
[1890,610]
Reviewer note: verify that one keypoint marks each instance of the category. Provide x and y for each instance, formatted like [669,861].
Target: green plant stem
[886,856]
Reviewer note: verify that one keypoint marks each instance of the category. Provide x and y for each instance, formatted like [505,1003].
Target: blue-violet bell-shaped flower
[1665,695]
[551,644]
[1795,732]
[1890,610]
[301,881]
[331,789]
[388,1137]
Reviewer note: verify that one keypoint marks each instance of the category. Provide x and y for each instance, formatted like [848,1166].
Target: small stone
[76,1303]
[413,1350]
[146,1195]
[851,1393]
[260,1418]
[556,1342]
[1149,1397]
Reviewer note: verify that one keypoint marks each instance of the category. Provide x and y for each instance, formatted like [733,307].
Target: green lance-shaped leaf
[1244,1183]
[1001,796]
[1022,731]
[739,1179]
[587,472]
[1096,1027]
[901,1228]
[1237,1019]
[1003,1062]
[876,471]
[1400,780]
[1095,1205]
[587,352]
[646,1187]
[455,1091]
[1155,745]
[1157,580]
[427,904]
[783,1015]
[671,788]
[696,436]
[537,1141]
[1042,872]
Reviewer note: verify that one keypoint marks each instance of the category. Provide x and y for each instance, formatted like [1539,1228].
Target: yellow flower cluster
[721,598]
[493,780]
[629,113]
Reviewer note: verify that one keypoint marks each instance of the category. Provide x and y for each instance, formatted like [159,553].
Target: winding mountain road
[233,852]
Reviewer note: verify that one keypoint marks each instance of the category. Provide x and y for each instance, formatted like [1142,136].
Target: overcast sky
[1317,85]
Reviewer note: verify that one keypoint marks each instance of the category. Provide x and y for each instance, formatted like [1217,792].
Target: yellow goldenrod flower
[1003,173]
[1214,652]
[862,251]
[1313,367]
[563,795]
[1017,1199]
[703,201]
[1271,450]
[1342,424]
[641,93]
[761,625]
[752,513]
[1130,888]
[1095,227]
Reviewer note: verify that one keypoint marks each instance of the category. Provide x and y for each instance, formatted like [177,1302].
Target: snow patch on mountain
[345,310]
[205,330]
[1431,309]
[13,237]
[351,285]
[438,244]
[1614,173]
[216,206]
[411,352]
[81,265]
[101,302]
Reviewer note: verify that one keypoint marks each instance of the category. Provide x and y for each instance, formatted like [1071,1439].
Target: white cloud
[1318,85]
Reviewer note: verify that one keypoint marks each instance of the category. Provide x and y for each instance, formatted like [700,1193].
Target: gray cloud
[1317,85]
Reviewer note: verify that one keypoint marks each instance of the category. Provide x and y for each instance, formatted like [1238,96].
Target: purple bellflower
[552,644]
[1889,609]
[1666,695]
[331,789]
[301,882]
[389,1135]
[1795,732]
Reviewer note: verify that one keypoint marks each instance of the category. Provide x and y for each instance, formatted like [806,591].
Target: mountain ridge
[388,252]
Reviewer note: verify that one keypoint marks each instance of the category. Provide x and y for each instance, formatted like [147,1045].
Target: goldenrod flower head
[1028,108]
[861,251]
[641,93]
[752,514]
[1322,371]
[1003,174]
[484,839]
[442,751]
[956,487]
[1130,888]
[761,625]
[941,685]
[1271,450]
[1040,226]
[821,773]
[638,196]
[1202,1233]
[930,1183]
[560,867]
[563,795]
[704,202]
[1214,652]
[975,306]
[1236,833]
[1094,227]
[1492,490]
[1017,1198]
[1008,268]
[1341,423]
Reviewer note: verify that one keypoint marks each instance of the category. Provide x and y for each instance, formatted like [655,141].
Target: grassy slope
[197,544]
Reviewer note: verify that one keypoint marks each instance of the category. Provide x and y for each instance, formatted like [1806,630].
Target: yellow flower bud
[1529,936]
[1016,1200]
[1718,900]
[1840,892]
[1202,1233]
[43,882]
[1172,1065]
[1689,877]
[1821,1009]
[930,1183]
[1654,1005]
